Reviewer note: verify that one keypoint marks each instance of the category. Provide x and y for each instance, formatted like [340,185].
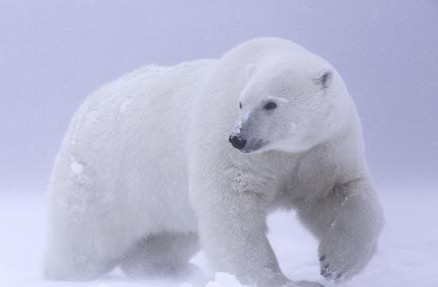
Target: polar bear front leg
[232,230]
[348,222]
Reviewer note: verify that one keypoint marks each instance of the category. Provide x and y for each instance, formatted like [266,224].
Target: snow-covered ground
[408,253]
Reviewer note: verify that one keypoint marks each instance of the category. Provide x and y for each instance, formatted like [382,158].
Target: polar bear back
[139,122]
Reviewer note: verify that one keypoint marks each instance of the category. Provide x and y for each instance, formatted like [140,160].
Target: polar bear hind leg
[161,255]
[73,258]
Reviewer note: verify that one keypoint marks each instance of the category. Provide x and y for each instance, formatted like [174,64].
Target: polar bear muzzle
[244,145]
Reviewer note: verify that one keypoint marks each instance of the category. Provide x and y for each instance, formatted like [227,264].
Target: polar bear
[167,160]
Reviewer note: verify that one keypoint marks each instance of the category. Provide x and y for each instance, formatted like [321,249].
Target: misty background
[54,53]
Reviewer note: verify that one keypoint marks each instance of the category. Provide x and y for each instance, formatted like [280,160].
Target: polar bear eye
[240,105]
[270,106]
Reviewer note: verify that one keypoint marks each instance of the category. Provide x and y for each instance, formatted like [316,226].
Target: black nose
[237,142]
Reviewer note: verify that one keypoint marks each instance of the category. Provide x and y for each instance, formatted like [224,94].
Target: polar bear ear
[324,78]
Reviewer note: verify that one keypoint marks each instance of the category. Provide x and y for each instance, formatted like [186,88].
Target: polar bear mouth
[254,145]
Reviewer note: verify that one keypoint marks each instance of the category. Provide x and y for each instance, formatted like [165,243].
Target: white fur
[146,168]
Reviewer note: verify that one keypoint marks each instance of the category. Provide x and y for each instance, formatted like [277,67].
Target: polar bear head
[291,104]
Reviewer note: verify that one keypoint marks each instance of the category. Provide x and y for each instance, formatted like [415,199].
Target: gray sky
[54,53]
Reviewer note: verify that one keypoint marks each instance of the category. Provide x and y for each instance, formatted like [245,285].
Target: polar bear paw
[341,257]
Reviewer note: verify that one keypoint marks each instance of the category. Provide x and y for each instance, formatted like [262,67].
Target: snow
[76,167]
[407,254]
[224,279]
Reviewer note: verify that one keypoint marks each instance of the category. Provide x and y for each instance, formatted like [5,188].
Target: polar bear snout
[244,145]
[244,135]
[237,141]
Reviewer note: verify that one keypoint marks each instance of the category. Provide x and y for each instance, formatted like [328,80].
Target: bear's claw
[326,272]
